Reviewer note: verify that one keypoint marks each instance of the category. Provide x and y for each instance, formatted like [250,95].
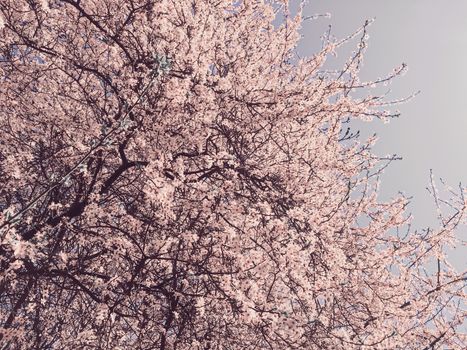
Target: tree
[174,178]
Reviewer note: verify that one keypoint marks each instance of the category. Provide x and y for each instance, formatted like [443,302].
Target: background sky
[431,37]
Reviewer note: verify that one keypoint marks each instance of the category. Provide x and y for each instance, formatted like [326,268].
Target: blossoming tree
[172,177]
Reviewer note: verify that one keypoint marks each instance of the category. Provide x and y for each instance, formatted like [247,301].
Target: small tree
[172,178]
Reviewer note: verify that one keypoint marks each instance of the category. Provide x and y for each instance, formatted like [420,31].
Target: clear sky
[431,37]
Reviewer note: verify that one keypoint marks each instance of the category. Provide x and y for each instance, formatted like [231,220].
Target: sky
[431,37]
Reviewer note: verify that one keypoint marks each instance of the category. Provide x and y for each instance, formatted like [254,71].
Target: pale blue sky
[431,37]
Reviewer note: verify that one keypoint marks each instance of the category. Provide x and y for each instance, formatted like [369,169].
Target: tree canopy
[173,176]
